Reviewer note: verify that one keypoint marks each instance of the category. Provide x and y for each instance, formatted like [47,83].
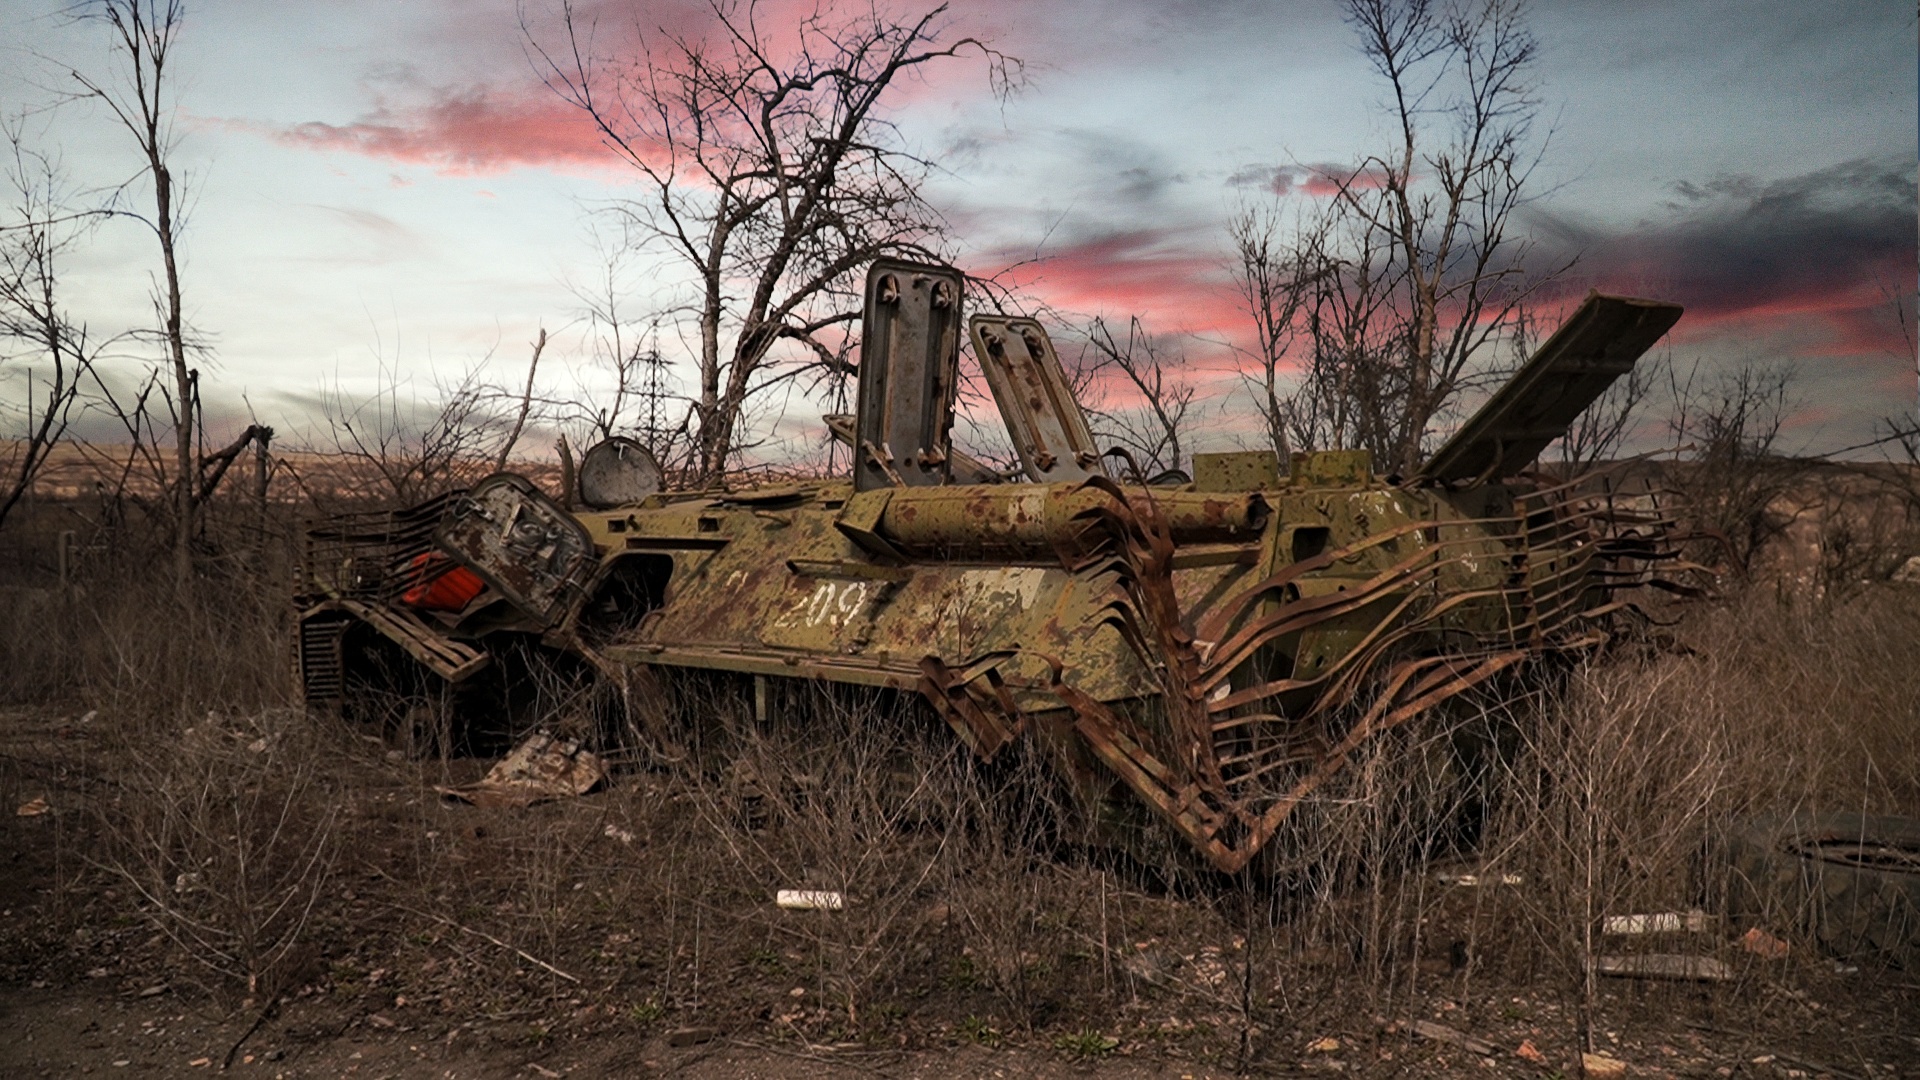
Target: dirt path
[79,1032]
[91,1030]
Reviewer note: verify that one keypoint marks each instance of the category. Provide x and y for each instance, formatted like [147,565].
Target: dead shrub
[228,835]
[865,796]
[1629,778]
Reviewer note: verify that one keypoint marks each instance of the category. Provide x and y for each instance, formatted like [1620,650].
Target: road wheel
[1850,881]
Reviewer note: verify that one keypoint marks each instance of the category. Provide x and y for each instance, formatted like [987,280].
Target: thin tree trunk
[526,404]
[262,473]
[568,482]
[185,505]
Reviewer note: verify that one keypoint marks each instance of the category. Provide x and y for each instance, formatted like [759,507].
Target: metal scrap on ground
[542,767]
[1427,1029]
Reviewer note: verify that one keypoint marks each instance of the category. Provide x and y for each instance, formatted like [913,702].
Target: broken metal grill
[318,660]
[373,556]
[1246,733]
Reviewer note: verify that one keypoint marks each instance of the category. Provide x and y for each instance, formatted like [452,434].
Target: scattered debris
[32,807]
[1664,966]
[1602,1065]
[1665,922]
[617,833]
[1323,1046]
[1816,1067]
[1427,1029]
[1472,880]
[1530,1052]
[541,768]
[1764,945]
[809,900]
[153,991]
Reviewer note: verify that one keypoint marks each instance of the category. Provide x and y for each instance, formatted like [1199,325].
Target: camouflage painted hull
[1214,651]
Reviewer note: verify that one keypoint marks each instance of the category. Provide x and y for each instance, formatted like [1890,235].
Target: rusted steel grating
[1226,764]
[372,555]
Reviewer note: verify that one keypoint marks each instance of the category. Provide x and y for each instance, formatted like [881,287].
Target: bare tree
[642,400]
[1733,422]
[771,174]
[1275,280]
[408,449]
[44,347]
[1353,382]
[142,35]
[1150,430]
[612,342]
[525,406]
[1902,432]
[1401,282]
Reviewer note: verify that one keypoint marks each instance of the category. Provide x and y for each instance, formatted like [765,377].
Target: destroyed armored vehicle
[1207,653]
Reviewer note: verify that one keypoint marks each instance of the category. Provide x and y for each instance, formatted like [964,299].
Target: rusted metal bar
[1036,520]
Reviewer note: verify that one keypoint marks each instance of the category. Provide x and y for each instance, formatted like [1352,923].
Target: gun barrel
[1030,519]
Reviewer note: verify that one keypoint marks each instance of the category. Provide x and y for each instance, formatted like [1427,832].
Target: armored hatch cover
[909,370]
[1048,429]
[1597,345]
[618,472]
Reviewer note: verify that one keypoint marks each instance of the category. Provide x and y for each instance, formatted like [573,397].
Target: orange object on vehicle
[439,586]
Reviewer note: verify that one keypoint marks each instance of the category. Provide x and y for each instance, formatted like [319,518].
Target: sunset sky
[388,186]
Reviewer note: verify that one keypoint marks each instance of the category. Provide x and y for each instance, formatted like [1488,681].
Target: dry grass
[282,855]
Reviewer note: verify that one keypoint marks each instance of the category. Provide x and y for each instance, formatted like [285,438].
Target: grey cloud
[1738,244]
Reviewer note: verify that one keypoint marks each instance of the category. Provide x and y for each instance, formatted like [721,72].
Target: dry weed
[228,835]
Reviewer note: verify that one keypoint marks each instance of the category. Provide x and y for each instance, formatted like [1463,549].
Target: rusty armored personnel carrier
[1207,654]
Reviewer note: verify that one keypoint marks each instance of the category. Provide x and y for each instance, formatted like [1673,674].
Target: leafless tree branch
[771,174]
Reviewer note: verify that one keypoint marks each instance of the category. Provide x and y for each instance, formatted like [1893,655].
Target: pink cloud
[465,133]
[1183,296]
[1141,272]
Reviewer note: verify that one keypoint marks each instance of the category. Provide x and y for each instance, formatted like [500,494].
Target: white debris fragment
[1662,922]
[809,900]
[1469,881]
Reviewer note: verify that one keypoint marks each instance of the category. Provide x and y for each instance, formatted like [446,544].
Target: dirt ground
[90,1028]
[78,1031]
[393,985]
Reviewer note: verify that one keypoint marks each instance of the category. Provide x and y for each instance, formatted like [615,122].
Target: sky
[384,192]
